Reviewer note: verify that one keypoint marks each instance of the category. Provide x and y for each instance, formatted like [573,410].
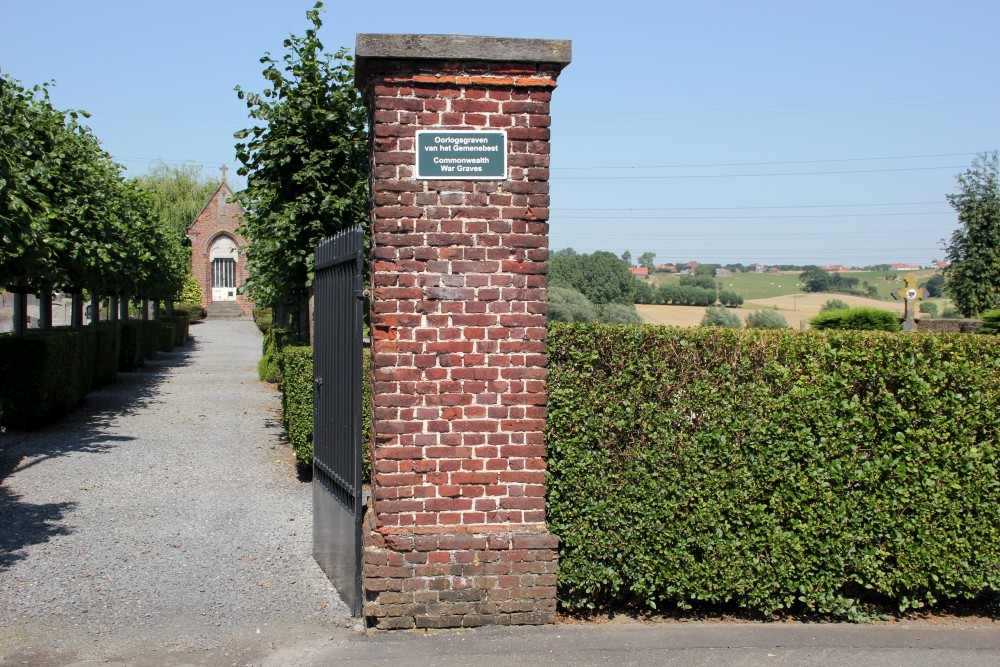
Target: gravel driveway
[163,516]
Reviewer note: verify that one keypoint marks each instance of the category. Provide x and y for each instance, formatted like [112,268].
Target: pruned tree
[973,277]
[306,162]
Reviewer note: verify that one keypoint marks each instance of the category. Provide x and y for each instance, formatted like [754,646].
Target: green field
[767,285]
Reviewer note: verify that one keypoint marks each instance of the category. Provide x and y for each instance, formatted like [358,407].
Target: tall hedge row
[835,472]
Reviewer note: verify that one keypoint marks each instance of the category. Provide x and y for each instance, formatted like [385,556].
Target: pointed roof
[224,190]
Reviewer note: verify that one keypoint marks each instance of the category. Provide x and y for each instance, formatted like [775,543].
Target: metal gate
[337,484]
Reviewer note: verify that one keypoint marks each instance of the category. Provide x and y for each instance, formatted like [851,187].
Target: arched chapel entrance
[223,258]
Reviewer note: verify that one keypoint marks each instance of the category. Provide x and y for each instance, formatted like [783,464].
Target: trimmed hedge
[867,319]
[841,473]
[297,399]
[269,366]
[165,337]
[296,384]
[130,349]
[181,326]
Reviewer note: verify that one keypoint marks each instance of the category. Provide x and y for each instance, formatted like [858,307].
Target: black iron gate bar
[337,364]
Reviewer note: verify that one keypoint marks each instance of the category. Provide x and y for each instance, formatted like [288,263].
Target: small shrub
[618,313]
[193,310]
[833,304]
[165,336]
[951,313]
[569,305]
[730,299]
[991,322]
[863,319]
[929,308]
[719,316]
[262,317]
[297,400]
[191,291]
[766,319]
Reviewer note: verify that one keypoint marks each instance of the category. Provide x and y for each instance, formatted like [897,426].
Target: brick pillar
[455,534]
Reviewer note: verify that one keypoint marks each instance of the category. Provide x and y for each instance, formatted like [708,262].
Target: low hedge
[297,399]
[165,336]
[867,319]
[181,326]
[130,348]
[269,366]
[41,378]
[296,363]
[840,473]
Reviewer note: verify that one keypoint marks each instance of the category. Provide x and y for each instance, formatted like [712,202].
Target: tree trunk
[76,311]
[123,306]
[144,309]
[95,309]
[45,309]
[113,307]
[20,313]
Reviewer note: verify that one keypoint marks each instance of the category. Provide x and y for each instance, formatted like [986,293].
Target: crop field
[767,285]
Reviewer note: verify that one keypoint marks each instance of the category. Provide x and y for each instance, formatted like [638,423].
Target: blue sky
[775,132]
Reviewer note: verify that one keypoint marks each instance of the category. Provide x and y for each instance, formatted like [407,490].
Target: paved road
[162,524]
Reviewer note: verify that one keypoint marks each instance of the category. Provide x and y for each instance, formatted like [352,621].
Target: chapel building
[217,260]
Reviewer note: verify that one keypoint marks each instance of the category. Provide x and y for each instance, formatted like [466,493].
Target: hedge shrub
[297,399]
[296,363]
[41,378]
[165,336]
[130,348]
[834,472]
[865,319]
[181,326]
[991,322]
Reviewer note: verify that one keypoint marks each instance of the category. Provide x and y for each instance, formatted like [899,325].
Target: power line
[794,173]
[729,208]
[750,164]
[784,106]
[744,217]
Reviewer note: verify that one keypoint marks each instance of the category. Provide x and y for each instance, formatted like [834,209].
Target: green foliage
[178,194]
[306,163]
[685,295]
[568,305]
[868,319]
[269,367]
[818,280]
[263,318]
[833,304]
[193,310]
[838,473]
[68,218]
[730,299]
[935,286]
[601,277]
[719,316]
[165,337]
[928,307]
[974,251]
[618,313]
[297,399]
[702,281]
[951,313]
[643,292]
[130,348]
[991,322]
[190,290]
[647,259]
[766,319]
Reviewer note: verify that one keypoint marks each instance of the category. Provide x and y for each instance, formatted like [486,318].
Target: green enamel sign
[462,155]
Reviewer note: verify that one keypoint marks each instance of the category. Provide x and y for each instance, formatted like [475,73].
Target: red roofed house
[215,258]
[904,267]
[639,271]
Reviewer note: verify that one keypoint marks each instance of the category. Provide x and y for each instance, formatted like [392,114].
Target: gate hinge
[362,294]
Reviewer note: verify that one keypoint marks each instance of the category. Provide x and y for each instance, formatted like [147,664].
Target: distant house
[665,268]
[834,268]
[904,267]
[640,272]
[942,265]
[756,268]
[690,267]
[723,273]
[774,269]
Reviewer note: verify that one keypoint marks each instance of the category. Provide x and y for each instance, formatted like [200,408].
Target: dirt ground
[797,309]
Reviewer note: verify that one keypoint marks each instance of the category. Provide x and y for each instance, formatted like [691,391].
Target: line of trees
[69,220]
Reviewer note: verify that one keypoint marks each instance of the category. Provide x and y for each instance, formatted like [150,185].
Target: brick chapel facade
[217,258]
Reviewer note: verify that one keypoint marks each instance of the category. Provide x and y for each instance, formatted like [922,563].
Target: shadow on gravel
[87,430]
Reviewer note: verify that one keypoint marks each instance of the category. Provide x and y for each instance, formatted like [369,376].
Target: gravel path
[163,515]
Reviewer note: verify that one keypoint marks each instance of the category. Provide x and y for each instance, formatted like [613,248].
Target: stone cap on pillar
[373,47]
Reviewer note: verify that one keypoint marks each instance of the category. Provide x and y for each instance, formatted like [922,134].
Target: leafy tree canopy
[974,252]
[601,277]
[305,159]
[178,193]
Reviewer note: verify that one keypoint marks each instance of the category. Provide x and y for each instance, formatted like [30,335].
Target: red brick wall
[219,217]
[457,534]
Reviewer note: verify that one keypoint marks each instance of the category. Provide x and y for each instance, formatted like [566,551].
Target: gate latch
[317,383]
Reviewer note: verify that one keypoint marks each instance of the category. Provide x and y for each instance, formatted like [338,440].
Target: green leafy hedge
[866,319]
[834,472]
[297,399]
[165,336]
